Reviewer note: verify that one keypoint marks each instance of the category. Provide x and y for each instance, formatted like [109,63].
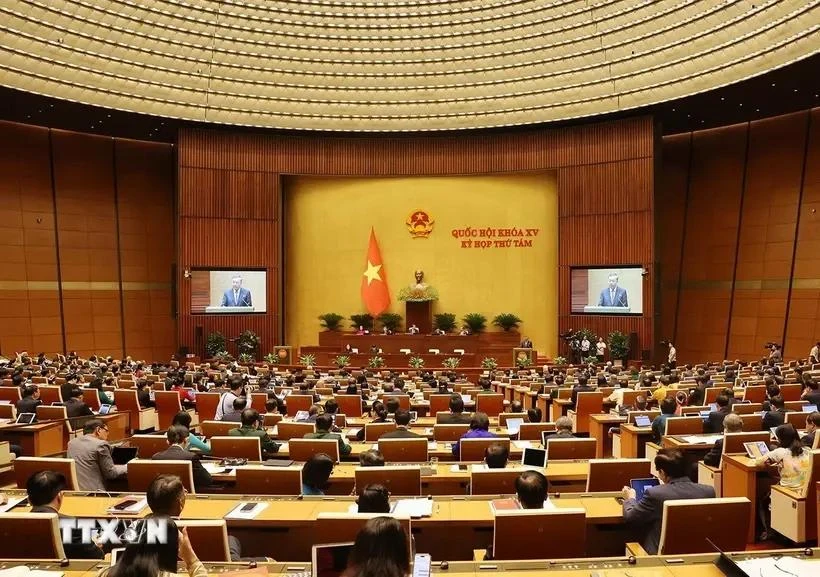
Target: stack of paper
[244,510]
[415,508]
[701,439]
[522,444]
[780,566]
[10,504]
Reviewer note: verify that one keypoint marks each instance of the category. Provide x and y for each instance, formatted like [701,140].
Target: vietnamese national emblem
[420,224]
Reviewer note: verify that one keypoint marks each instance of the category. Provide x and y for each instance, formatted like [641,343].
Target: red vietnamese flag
[375,293]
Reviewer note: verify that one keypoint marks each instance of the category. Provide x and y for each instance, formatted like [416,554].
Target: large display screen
[228,291]
[607,291]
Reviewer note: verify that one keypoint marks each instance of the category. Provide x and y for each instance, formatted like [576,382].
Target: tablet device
[330,560]
[713,407]
[301,416]
[809,408]
[514,425]
[642,421]
[25,418]
[533,457]
[756,449]
[104,409]
[121,455]
[705,414]
[414,416]
[641,485]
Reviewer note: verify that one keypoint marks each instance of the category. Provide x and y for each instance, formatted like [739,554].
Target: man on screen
[236,296]
[613,295]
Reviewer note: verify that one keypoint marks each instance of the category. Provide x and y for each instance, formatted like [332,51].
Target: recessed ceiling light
[773,83]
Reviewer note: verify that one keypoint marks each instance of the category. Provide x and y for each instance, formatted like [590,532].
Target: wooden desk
[559,408]
[633,441]
[599,426]
[443,451]
[740,480]
[37,440]
[118,425]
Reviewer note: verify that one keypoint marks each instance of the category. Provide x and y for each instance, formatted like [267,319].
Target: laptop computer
[25,418]
[641,485]
[642,421]
[104,409]
[330,560]
[809,408]
[532,457]
[121,455]
[514,425]
[756,449]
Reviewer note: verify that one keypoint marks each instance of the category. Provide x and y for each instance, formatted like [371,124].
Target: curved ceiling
[393,65]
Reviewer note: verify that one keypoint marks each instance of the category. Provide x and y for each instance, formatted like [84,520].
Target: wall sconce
[186,273]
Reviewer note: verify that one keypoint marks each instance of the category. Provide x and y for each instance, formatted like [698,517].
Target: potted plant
[444,321]
[489,363]
[247,343]
[341,361]
[331,321]
[560,361]
[376,362]
[591,360]
[416,362]
[308,360]
[223,357]
[618,344]
[363,320]
[390,321]
[523,362]
[272,359]
[506,321]
[215,343]
[246,358]
[451,362]
[476,322]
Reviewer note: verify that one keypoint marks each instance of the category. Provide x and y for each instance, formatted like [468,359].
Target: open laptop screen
[330,560]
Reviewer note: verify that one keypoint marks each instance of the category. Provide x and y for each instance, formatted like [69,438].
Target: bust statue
[420,280]
[418,291]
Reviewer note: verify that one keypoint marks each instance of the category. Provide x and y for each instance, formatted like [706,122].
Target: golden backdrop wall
[327,228]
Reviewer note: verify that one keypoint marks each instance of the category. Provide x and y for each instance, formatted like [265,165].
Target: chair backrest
[372,431]
[712,394]
[615,474]
[350,405]
[141,472]
[10,394]
[566,449]
[271,419]
[755,393]
[128,402]
[502,418]
[168,405]
[50,394]
[209,539]
[148,445]
[473,449]
[733,442]
[259,480]
[797,419]
[752,422]
[8,412]
[532,431]
[404,400]
[791,392]
[343,527]
[490,403]
[630,397]
[206,405]
[404,481]
[91,397]
[747,408]
[51,413]
[258,401]
[296,403]
[249,448]
[586,404]
[287,430]
[304,449]
[684,426]
[30,536]
[439,403]
[494,481]
[404,450]
[25,467]
[688,523]
[539,534]
[217,428]
[449,433]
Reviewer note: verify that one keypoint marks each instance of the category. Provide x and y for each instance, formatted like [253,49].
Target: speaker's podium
[226,310]
[606,310]
[420,313]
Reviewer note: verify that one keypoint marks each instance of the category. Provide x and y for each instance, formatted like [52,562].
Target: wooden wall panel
[80,241]
[229,192]
[749,224]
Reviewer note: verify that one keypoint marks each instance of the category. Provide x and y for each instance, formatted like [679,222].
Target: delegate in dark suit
[773,419]
[580,388]
[712,458]
[236,298]
[202,478]
[400,434]
[648,512]
[714,422]
[613,298]
[76,549]
[28,405]
[453,418]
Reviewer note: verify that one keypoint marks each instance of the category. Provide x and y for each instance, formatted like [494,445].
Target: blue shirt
[659,427]
[195,442]
[472,434]
[306,490]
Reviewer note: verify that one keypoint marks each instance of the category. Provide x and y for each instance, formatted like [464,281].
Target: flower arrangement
[416,362]
[418,294]
[246,358]
[559,361]
[523,362]
[376,362]
[272,359]
[307,360]
[451,362]
[489,363]
[341,361]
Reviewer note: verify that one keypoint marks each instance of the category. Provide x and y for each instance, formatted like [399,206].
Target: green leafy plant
[331,321]
[247,343]
[246,358]
[523,362]
[559,361]
[451,362]
[416,362]
[308,359]
[489,363]
[223,357]
[618,344]
[215,343]
[272,359]
[445,321]
[391,321]
[342,361]
[376,362]
[507,321]
[476,322]
[591,360]
[362,320]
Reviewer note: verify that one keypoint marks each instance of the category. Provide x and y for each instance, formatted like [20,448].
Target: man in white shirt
[585,346]
[672,358]
[600,349]
[814,355]
[226,402]
[413,330]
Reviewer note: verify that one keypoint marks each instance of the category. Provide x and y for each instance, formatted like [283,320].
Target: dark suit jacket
[400,434]
[202,478]
[28,405]
[808,440]
[811,398]
[714,423]
[454,418]
[773,419]
[561,435]
[344,448]
[144,399]
[77,549]
[712,458]
[648,512]
[77,408]
[580,389]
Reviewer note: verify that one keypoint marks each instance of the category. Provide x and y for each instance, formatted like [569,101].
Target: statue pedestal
[421,315]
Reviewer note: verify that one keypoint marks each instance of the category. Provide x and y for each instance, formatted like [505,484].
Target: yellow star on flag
[372,272]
